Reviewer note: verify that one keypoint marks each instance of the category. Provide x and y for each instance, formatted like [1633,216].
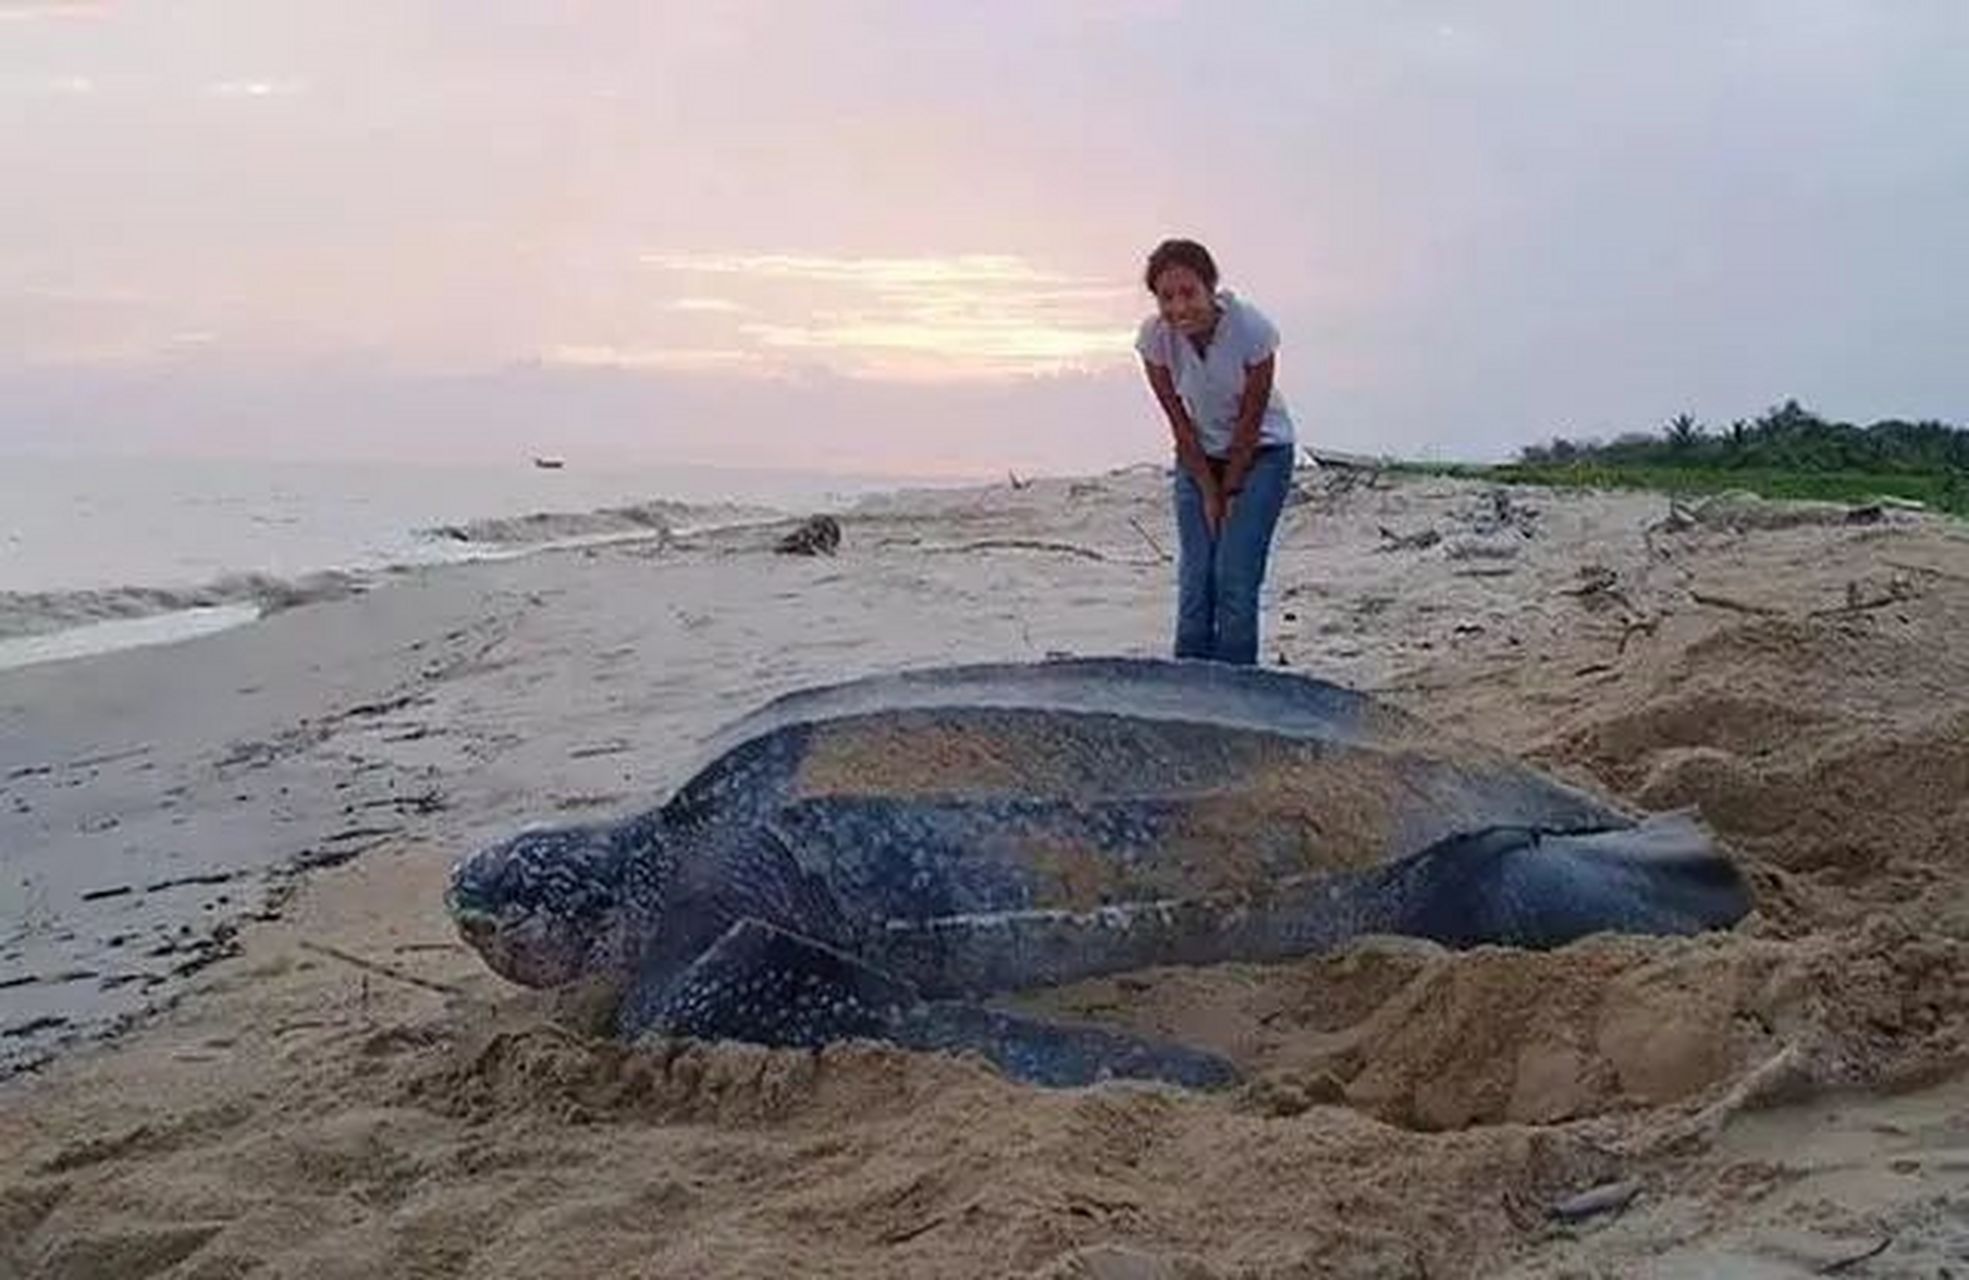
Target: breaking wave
[644,519]
[29,613]
[256,594]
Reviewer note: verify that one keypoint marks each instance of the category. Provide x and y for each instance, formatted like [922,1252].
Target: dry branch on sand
[379,968]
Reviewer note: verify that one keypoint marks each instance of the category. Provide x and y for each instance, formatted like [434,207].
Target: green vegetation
[1788,452]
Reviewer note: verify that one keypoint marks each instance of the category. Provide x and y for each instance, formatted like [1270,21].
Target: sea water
[104,553]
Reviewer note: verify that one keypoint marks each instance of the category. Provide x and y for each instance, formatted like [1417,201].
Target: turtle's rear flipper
[764,985]
[1663,875]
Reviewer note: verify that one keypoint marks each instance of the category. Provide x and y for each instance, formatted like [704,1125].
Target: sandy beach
[240,843]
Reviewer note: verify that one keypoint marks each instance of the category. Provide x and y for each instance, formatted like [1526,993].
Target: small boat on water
[550,464]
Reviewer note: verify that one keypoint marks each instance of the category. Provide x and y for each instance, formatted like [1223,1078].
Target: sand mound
[541,1153]
[568,1077]
[1618,1024]
[1435,1041]
[1835,752]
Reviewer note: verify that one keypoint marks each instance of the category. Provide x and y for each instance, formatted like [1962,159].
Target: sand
[337,1088]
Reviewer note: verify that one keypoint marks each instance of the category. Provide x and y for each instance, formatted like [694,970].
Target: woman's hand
[1250,423]
[1189,453]
[1216,508]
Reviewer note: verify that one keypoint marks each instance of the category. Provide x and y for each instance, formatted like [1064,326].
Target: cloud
[47,9]
[945,349]
[256,89]
[716,306]
[654,359]
[921,272]
[47,86]
[75,296]
[958,317]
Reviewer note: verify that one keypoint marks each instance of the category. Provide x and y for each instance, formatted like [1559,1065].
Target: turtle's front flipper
[1057,1053]
[764,985]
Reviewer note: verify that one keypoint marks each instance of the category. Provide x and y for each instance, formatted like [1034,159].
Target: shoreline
[78,580]
[264,595]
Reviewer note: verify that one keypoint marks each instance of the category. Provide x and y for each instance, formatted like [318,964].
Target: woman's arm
[1250,419]
[1189,449]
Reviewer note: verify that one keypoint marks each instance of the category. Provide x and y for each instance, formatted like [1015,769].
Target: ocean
[104,553]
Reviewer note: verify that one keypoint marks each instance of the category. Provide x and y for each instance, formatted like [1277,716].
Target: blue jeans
[1217,579]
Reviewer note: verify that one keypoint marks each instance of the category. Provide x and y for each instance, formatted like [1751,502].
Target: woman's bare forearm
[1250,421]
[1189,447]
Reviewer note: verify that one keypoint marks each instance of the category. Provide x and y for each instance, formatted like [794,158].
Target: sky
[908,236]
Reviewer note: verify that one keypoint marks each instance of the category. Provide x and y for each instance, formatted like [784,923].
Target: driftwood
[1913,567]
[1784,1076]
[1160,554]
[1647,626]
[1417,541]
[1609,1198]
[819,535]
[1594,579]
[1740,606]
[1030,544]
[1859,606]
[380,969]
[1838,1265]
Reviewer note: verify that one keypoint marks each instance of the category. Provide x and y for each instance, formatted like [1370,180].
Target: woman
[1210,357]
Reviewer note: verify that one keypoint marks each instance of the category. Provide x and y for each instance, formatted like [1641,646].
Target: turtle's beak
[476,927]
[477,923]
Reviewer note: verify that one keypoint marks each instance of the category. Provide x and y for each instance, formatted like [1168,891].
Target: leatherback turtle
[872,859]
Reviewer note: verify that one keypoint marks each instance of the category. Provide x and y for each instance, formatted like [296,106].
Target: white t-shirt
[1212,384]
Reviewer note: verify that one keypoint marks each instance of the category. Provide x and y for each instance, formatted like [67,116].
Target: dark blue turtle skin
[876,858]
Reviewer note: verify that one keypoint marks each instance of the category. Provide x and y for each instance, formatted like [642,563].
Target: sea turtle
[874,858]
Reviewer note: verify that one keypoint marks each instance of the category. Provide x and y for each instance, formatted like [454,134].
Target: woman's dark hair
[1181,253]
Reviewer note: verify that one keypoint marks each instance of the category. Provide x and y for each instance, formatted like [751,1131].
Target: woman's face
[1185,301]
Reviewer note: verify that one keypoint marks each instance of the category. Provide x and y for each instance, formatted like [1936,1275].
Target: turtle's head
[543,907]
